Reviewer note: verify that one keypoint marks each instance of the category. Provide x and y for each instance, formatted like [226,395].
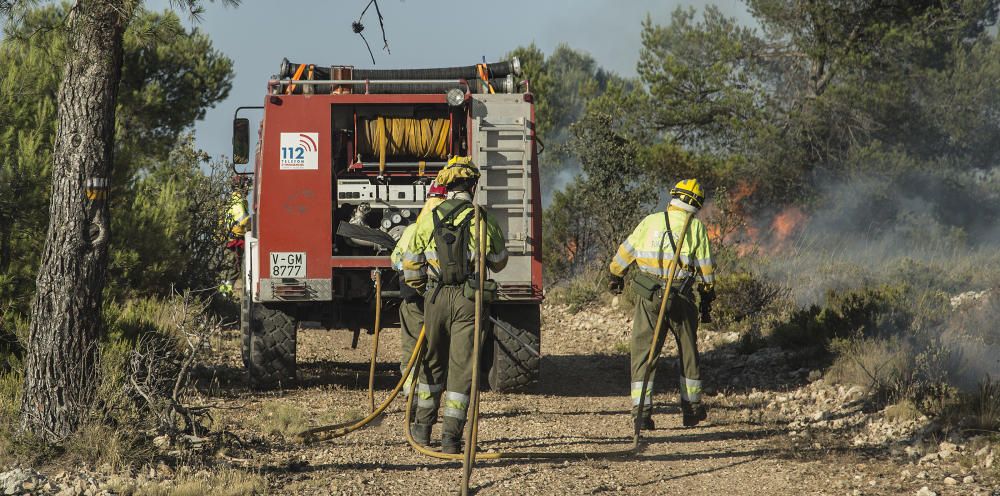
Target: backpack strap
[451,214]
[670,235]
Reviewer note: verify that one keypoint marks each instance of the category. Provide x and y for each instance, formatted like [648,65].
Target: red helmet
[437,190]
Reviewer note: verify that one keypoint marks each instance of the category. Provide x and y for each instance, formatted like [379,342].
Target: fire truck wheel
[272,345]
[514,366]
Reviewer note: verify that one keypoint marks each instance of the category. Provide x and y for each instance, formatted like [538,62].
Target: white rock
[925,491]
[820,415]
[946,446]
[12,482]
[950,481]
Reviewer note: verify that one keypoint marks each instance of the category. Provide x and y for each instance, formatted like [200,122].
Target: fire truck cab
[343,163]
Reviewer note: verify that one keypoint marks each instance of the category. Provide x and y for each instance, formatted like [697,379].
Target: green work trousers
[233,270]
[411,319]
[449,329]
[682,319]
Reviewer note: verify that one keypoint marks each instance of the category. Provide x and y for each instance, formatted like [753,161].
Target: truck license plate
[288,264]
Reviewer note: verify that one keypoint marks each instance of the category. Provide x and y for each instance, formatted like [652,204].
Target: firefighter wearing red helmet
[441,260]
[411,306]
[651,247]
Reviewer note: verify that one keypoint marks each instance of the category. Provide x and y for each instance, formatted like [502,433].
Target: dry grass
[96,444]
[903,411]
[980,409]
[229,482]
[884,366]
[283,419]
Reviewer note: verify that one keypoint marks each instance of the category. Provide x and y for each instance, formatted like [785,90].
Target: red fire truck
[343,162]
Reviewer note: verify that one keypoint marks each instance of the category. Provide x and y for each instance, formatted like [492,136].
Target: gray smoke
[935,232]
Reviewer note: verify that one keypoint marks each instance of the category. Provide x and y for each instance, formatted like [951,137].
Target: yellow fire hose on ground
[472,429]
[378,328]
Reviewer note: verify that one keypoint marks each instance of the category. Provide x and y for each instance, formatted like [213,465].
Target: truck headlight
[456,97]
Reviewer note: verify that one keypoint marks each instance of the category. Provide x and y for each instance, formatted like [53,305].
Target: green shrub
[579,291]
[744,294]
[867,312]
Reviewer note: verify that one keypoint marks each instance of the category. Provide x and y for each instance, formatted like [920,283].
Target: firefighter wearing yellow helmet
[439,262]
[651,247]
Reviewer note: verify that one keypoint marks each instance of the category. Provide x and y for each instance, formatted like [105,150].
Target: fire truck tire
[514,366]
[273,329]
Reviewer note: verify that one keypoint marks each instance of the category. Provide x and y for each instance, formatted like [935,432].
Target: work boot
[645,423]
[450,444]
[693,413]
[421,433]
[451,435]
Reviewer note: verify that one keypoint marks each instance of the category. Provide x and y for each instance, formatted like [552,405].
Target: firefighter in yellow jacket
[411,306]
[651,246]
[237,221]
[440,262]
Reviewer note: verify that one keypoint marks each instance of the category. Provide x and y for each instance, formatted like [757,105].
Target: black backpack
[452,241]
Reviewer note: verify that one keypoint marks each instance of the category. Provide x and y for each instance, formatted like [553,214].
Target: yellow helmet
[457,169]
[689,191]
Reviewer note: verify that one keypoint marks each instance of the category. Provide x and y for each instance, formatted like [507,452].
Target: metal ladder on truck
[512,138]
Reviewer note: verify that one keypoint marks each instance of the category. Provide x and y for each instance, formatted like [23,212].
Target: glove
[615,284]
[705,305]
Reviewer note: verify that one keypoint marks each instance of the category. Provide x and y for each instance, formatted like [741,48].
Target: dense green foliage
[897,97]
[167,199]
[162,202]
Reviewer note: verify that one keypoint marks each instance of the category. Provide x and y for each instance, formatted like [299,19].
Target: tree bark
[60,367]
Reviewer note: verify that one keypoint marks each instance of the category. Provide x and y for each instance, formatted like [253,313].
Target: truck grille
[517,292]
[290,289]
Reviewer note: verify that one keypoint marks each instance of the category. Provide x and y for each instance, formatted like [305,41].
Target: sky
[421,33]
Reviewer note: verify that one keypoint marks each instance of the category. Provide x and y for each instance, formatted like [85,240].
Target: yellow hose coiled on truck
[403,136]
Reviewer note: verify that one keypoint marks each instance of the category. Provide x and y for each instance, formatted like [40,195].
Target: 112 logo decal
[299,151]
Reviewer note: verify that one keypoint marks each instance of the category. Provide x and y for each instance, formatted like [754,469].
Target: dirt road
[751,445]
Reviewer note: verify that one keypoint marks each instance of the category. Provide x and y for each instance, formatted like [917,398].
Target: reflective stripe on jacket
[421,253]
[651,251]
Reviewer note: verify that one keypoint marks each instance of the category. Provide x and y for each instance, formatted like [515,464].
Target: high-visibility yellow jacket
[396,257]
[421,252]
[651,251]
[237,217]
[404,239]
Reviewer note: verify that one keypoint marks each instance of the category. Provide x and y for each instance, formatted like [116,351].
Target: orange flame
[788,222]
[570,250]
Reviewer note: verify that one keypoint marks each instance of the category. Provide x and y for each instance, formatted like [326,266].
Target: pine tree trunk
[60,368]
